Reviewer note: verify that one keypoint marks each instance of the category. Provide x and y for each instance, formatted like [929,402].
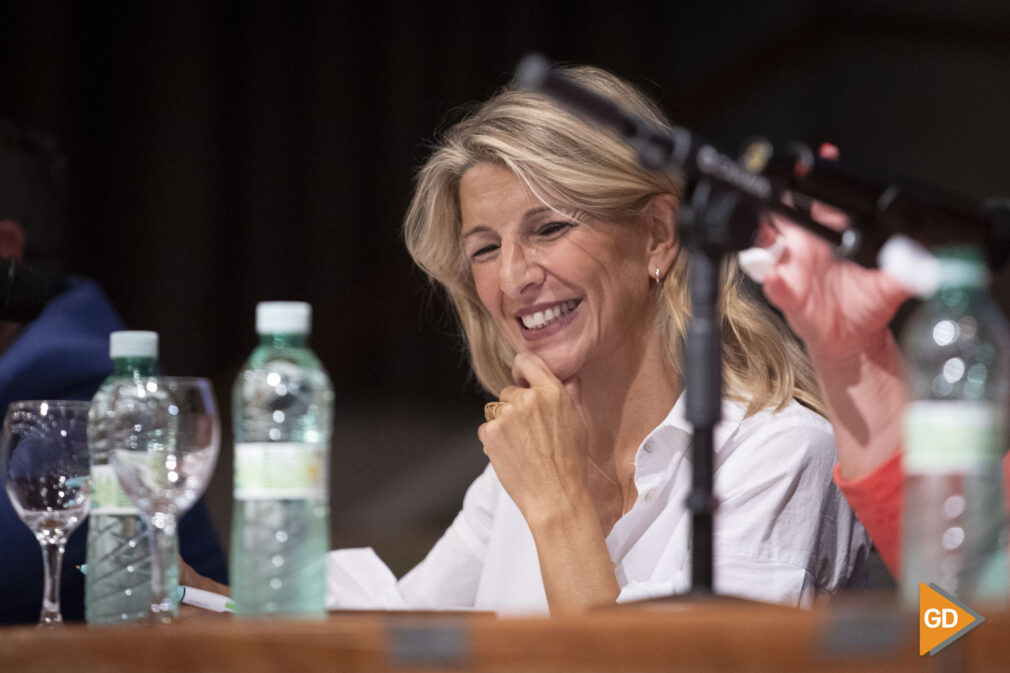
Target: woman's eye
[553,228]
[480,252]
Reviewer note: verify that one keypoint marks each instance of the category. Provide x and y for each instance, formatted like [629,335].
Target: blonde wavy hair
[570,164]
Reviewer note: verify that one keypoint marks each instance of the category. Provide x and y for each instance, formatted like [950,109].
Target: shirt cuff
[876,499]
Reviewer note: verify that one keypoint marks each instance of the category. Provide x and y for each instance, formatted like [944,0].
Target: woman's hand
[537,443]
[191,578]
[842,311]
[837,307]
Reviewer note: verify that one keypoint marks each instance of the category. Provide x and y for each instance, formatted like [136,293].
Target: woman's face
[575,292]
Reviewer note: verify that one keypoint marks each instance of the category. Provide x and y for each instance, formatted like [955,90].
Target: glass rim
[18,404]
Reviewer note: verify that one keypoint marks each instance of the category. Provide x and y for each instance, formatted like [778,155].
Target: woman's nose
[520,269]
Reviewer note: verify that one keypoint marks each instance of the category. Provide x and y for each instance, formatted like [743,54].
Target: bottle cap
[283,317]
[962,266]
[961,273]
[133,344]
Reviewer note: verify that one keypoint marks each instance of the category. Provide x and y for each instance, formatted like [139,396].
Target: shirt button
[649,495]
[647,447]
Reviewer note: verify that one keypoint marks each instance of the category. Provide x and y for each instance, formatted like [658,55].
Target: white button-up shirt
[783,531]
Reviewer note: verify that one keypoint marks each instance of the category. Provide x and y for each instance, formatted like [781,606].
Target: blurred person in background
[60,353]
[842,312]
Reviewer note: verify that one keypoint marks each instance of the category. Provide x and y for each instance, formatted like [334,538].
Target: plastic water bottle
[957,350]
[283,407]
[117,584]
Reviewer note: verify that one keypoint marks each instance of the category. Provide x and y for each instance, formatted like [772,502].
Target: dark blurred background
[226,153]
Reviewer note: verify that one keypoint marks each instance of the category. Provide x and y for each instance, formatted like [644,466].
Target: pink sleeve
[876,500]
[1006,482]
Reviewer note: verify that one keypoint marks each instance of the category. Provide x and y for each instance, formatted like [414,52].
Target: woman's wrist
[566,510]
[575,563]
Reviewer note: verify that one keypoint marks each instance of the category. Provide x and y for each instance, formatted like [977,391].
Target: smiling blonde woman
[561,258]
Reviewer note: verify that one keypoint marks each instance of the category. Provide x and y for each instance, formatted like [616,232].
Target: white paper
[757,262]
[909,263]
[357,579]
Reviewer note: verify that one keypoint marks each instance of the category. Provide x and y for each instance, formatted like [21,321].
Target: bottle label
[956,436]
[107,496]
[280,470]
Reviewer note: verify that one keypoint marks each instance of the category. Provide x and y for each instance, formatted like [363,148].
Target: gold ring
[492,409]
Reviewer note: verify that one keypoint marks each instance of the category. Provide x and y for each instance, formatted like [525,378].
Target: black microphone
[930,215]
[882,207]
[663,148]
[25,289]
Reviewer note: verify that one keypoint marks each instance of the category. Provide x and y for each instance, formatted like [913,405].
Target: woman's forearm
[574,561]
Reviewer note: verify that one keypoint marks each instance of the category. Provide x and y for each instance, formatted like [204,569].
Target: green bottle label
[278,470]
[107,496]
[952,437]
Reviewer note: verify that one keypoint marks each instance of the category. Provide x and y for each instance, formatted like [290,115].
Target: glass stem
[52,562]
[164,580]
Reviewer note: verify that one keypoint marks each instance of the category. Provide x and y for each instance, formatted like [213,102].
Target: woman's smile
[539,323]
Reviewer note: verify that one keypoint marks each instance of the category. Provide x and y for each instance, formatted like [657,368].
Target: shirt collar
[674,433]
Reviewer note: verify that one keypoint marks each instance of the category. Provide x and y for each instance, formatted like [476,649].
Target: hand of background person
[837,307]
[538,441]
[841,311]
[191,578]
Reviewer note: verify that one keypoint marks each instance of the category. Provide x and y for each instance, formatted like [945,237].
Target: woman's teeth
[541,319]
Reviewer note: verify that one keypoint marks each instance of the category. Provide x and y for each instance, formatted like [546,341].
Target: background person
[62,354]
[841,311]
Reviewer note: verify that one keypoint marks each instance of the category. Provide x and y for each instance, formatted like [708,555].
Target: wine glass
[164,435]
[44,467]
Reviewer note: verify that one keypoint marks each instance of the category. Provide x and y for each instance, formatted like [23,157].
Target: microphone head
[532,71]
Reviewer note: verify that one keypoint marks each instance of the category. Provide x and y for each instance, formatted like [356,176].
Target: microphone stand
[718,222]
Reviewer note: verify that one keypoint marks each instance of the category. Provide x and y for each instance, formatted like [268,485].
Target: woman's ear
[12,239]
[661,222]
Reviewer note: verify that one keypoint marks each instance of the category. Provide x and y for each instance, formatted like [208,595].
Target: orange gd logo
[942,619]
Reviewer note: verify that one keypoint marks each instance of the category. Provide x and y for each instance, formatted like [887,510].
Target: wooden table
[712,636]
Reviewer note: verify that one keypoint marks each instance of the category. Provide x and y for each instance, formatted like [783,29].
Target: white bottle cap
[283,317]
[133,344]
[963,272]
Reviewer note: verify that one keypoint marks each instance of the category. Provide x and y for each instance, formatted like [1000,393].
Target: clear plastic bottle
[117,584]
[957,349]
[283,407]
